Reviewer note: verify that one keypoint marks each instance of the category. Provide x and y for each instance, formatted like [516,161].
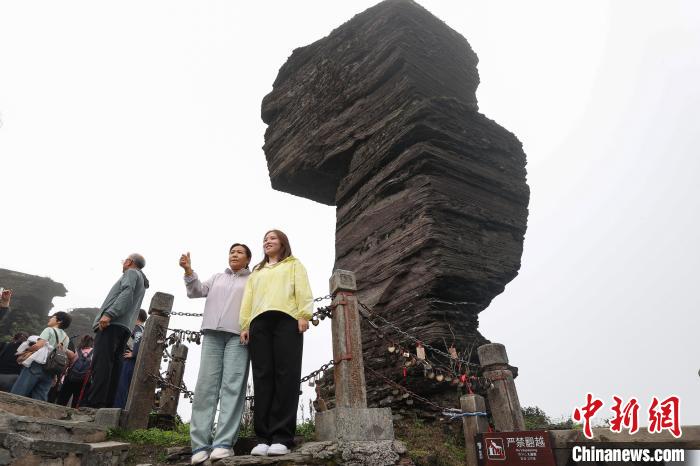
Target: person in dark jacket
[9,367]
[130,361]
[113,326]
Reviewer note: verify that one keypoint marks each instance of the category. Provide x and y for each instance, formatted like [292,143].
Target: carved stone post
[349,371]
[169,397]
[503,397]
[473,424]
[350,420]
[143,384]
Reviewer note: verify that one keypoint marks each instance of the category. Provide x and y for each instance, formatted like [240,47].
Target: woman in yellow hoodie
[275,312]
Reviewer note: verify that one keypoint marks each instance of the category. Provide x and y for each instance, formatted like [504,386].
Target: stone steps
[38,433]
[52,429]
[22,406]
[18,450]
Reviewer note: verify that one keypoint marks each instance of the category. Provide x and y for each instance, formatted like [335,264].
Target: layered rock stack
[380,119]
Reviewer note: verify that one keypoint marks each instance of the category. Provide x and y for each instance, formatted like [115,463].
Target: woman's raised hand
[186,263]
[303,325]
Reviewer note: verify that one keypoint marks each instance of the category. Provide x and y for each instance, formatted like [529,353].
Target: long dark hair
[285,248]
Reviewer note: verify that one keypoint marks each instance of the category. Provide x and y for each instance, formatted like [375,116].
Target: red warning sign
[513,448]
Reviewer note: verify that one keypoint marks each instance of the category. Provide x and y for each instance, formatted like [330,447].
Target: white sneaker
[200,457]
[277,449]
[260,449]
[220,453]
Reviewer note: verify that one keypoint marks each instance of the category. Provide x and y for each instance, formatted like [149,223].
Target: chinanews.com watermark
[660,414]
[594,454]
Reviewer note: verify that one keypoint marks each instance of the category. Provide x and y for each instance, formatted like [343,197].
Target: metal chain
[189,394]
[185,332]
[449,412]
[162,383]
[186,314]
[409,336]
[428,365]
[320,314]
[198,314]
[318,371]
[192,336]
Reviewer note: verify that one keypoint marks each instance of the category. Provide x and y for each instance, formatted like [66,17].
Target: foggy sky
[136,127]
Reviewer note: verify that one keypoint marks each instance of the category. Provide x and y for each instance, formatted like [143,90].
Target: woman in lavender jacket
[223,369]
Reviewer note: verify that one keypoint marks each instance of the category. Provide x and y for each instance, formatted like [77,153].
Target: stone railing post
[473,424]
[349,371]
[503,397]
[169,397]
[350,419]
[143,385]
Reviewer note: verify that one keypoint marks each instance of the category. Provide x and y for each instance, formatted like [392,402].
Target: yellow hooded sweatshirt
[283,286]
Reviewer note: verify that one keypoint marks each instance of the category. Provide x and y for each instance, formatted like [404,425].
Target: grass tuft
[157,437]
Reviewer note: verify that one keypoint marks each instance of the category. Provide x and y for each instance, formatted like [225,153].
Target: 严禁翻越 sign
[513,448]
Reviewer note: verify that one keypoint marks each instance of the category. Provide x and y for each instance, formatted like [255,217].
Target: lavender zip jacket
[224,292]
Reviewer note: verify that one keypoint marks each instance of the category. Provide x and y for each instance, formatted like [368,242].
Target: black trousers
[70,388]
[107,365]
[275,349]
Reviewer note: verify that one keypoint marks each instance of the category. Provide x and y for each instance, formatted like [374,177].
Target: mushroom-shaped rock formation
[380,119]
[32,298]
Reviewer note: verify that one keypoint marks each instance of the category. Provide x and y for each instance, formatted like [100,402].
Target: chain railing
[449,413]
[186,314]
[163,383]
[368,315]
[178,335]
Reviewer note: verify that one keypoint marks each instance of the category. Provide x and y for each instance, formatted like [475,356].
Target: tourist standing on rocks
[5,298]
[223,367]
[34,382]
[275,313]
[9,367]
[129,362]
[75,376]
[113,326]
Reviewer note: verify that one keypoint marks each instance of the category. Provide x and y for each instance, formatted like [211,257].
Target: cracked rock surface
[380,119]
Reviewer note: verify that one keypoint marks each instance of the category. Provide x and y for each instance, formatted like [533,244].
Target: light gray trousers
[222,379]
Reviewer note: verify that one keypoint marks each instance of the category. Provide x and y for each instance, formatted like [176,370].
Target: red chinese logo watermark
[663,415]
[625,417]
[585,413]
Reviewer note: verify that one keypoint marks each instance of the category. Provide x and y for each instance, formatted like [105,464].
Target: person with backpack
[36,379]
[130,361]
[76,375]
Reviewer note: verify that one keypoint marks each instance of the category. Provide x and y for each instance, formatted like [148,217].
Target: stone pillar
[349,371]
[143,385]
[473,424]
[503,398]
[169,397]
[350,420]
